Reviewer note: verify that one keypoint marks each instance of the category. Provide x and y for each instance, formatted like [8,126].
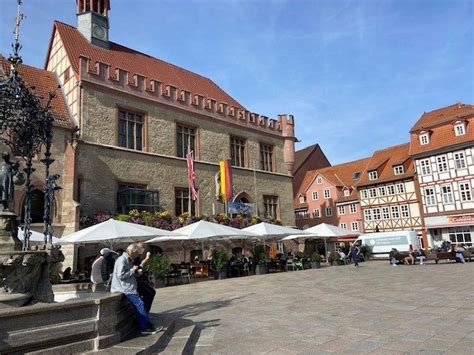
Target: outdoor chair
[246,269]
[185,272]
[173,274]
[290,264]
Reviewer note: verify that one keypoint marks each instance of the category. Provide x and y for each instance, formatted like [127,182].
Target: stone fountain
[26,128]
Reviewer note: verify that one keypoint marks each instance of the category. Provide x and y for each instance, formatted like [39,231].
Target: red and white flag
[191,175]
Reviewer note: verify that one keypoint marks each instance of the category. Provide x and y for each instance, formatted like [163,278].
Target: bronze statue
[9,177]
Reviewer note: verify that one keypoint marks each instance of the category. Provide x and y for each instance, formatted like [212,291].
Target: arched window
[243,205]
[243,197]
[37,207]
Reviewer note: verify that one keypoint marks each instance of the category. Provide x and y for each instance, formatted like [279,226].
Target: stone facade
[62,212]
[99,81]
[157,166]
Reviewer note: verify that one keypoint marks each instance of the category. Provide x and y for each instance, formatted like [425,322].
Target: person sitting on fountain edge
[146,292]
[124,281]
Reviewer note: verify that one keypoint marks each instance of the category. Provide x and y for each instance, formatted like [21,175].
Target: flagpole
[189,194]
[255,185]
[189,183]
[189,201]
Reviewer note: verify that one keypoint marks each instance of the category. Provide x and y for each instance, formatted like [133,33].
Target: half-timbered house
[388,192]
[442,146]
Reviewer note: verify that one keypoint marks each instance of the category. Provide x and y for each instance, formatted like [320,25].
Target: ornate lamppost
[26,126]
[50,187]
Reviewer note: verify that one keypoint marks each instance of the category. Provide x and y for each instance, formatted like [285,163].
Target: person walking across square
[354,253]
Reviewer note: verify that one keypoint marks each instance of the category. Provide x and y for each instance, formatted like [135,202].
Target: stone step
[179,341]
[142,344]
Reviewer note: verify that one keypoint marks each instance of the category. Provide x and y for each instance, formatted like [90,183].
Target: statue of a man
[9,176]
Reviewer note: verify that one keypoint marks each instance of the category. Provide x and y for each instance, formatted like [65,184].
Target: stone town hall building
[137,117]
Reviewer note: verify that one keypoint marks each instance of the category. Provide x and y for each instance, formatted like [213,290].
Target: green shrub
[259,254]
[299,255]
[333,256]
[220,257]
[158,265]
[315,257]
[122,217]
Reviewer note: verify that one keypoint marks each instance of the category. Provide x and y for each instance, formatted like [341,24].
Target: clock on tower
[99,32]
[93,21]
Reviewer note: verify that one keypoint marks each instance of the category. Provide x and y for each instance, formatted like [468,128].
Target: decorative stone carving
[24,276]
[8,232]
[9,177]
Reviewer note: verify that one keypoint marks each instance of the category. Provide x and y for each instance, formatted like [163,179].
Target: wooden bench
[445,255]
[436,256]
[431,256]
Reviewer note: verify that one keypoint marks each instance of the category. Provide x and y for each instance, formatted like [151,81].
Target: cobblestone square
[375,308]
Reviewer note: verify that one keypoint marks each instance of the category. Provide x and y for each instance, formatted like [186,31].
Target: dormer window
[398,169]
[319,180]
[373,175]
[459,129]
[356,175]
[424,138]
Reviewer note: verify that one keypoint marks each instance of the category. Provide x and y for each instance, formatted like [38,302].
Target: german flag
[226,180]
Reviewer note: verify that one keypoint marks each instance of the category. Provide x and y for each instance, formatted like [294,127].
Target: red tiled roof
[443,115]
[43,82]
[138,63]
[384,160]
[439,123]
[343,174]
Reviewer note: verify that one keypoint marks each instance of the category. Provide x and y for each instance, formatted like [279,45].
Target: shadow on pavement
[180,317]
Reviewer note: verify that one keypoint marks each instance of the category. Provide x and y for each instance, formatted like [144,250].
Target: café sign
[466,218]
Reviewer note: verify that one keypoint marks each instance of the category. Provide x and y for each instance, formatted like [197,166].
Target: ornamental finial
[15,58]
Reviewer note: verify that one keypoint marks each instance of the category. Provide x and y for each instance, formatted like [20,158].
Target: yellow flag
[223,182]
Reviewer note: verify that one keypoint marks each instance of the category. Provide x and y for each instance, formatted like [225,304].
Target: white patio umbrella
[322,231]
[267,230]
[272,231]
[114,231]
[36,237]
[202,230]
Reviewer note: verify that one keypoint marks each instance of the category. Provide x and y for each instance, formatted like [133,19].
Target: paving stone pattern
[375,308]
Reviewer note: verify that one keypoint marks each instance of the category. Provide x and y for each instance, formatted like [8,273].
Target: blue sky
[356,74]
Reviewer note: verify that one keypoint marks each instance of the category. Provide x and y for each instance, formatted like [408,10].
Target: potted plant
[260,259]
[158,268]
[334,258]
[299,260]
[315,260]
[220,257]
[366,251]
